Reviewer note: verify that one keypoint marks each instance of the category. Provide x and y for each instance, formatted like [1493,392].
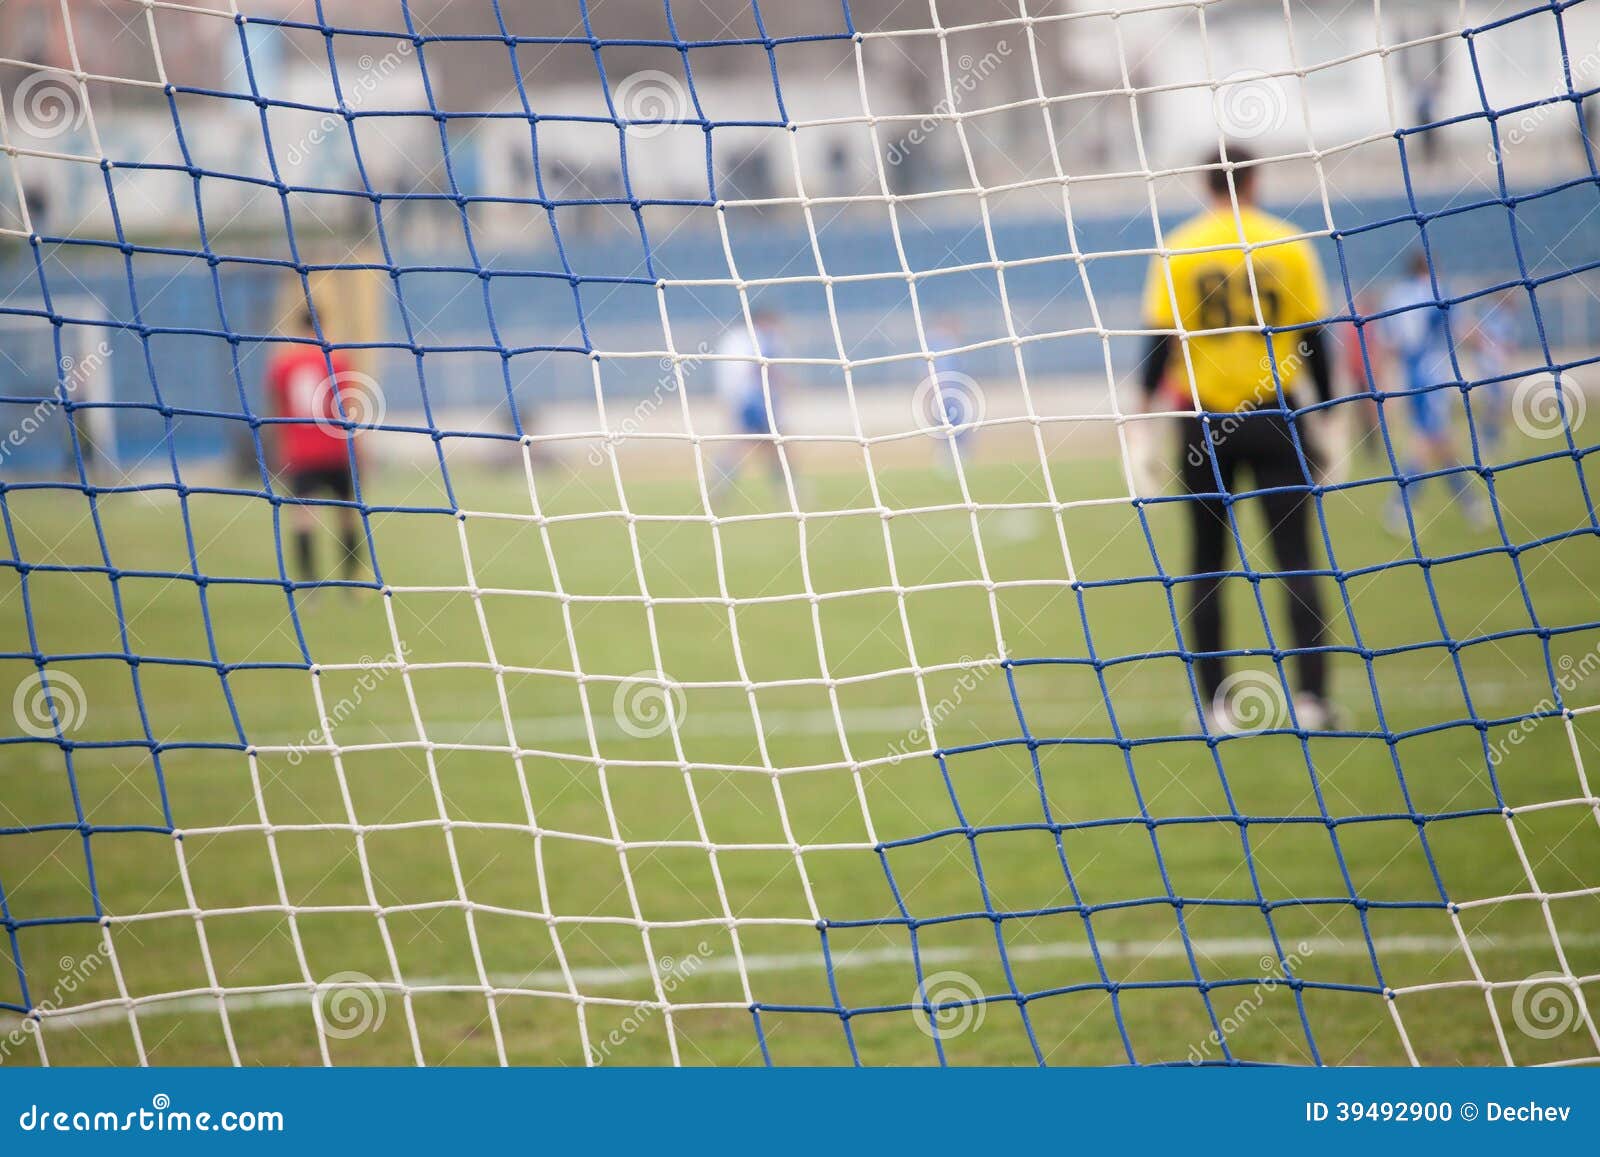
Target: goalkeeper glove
[1329,444]
[1150,447]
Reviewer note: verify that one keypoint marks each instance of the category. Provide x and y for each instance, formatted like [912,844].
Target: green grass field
[463,809]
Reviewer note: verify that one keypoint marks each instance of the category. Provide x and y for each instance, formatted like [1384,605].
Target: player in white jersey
[740,386]
[1416,330]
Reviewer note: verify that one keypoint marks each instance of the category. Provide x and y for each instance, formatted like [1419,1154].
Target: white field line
[539,730]
[1146,714]
[551,979]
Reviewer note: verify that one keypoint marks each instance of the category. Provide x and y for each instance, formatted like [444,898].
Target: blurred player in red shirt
[314,451]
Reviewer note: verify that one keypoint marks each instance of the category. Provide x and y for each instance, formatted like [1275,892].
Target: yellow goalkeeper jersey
[1233,371]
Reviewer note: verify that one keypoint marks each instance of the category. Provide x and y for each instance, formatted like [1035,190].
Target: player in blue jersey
[1417,332]
[1494,342]
[743,392]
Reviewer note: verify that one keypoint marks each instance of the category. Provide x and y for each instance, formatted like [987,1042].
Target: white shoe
[1394,520]
[1221,721]
[1314,713]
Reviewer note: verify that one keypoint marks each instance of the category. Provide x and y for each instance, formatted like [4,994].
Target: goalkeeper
[1248,391]
[313,447]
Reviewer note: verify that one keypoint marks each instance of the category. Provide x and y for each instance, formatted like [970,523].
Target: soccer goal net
[965,531]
